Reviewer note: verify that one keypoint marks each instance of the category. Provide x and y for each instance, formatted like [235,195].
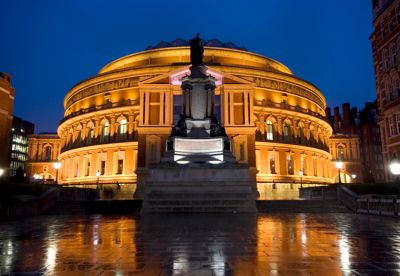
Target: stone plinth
[198,188]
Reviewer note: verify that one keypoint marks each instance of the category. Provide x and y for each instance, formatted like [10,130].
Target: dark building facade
[385,41]
[6,111]
[364,125]
[19,144]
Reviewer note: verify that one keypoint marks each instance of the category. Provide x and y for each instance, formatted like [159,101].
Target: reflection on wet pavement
[284,244]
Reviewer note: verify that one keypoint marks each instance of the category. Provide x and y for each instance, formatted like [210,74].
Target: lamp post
[339,166]
[354,176]
[57,166]
[98,177]
[301,178]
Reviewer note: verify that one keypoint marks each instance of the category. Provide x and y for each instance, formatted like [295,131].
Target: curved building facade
[117,122]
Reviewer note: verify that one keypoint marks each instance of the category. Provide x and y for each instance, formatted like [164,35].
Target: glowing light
[176,78]
[57,165]
[182,162]
[395,167]
[1,172]
[339,165]
[301,173]
[36,176]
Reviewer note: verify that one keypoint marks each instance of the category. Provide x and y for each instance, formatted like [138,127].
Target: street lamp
[98,176]
[339,166]
[354,176]
[57,166]
[301,178]
[395,168]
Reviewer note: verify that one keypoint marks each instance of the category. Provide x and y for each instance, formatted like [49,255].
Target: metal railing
[365,205]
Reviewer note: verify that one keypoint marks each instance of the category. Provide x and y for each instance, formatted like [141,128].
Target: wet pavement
[264,244]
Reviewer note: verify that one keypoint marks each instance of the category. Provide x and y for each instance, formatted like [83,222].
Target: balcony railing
[292,140]
[100,107]
[101,140]
[265,103]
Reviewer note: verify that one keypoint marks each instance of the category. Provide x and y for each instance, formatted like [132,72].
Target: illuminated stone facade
[117,122]
[44,150]
[385,41]
[6,111]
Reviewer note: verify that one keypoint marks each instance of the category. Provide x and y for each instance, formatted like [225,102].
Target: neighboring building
[385,41]
[345,148]
[44,149]
[117,122]
[19,144]
[363,148]
[6,111]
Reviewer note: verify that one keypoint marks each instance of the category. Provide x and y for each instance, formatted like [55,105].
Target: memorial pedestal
[198,188]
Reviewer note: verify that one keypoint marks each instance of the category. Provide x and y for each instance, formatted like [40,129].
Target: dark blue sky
[48,46]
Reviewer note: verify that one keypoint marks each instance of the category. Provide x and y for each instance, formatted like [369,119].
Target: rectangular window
[103,167]
[87,171]
[119,162]
[289,162]
[271,160]
[303,164]
[391,126]
[120,166]
[76,168]
[102,164]
[315,167]
[398,123]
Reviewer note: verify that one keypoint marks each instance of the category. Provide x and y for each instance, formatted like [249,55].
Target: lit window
[269,130]
[106,129]
[122,126]
[340,152]
[271,159]
[289,160]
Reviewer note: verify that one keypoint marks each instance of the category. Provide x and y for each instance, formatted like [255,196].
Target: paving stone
[201,244]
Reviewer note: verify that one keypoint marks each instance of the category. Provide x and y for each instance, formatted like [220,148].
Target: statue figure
[196,50]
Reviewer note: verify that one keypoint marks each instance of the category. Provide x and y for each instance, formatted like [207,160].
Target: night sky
[48,46]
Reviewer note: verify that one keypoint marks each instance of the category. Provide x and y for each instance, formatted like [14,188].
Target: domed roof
[182,42]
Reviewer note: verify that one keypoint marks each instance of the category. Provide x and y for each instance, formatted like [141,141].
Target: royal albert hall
[117,122]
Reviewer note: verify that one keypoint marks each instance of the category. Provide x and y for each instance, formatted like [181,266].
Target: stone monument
[198,172]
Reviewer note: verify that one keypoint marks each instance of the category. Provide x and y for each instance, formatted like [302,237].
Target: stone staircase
[198,197]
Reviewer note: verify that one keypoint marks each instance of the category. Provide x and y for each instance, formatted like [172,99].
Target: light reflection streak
[51,256]
[344,252]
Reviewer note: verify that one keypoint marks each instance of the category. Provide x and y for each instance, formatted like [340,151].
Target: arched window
[105,131]
[79,133]
[286,132]
[340,152]
[269,131]
[90,132]
[300,134]
[122,127]
[47,153]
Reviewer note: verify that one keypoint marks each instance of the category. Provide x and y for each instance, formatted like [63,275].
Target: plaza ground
[264,244]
